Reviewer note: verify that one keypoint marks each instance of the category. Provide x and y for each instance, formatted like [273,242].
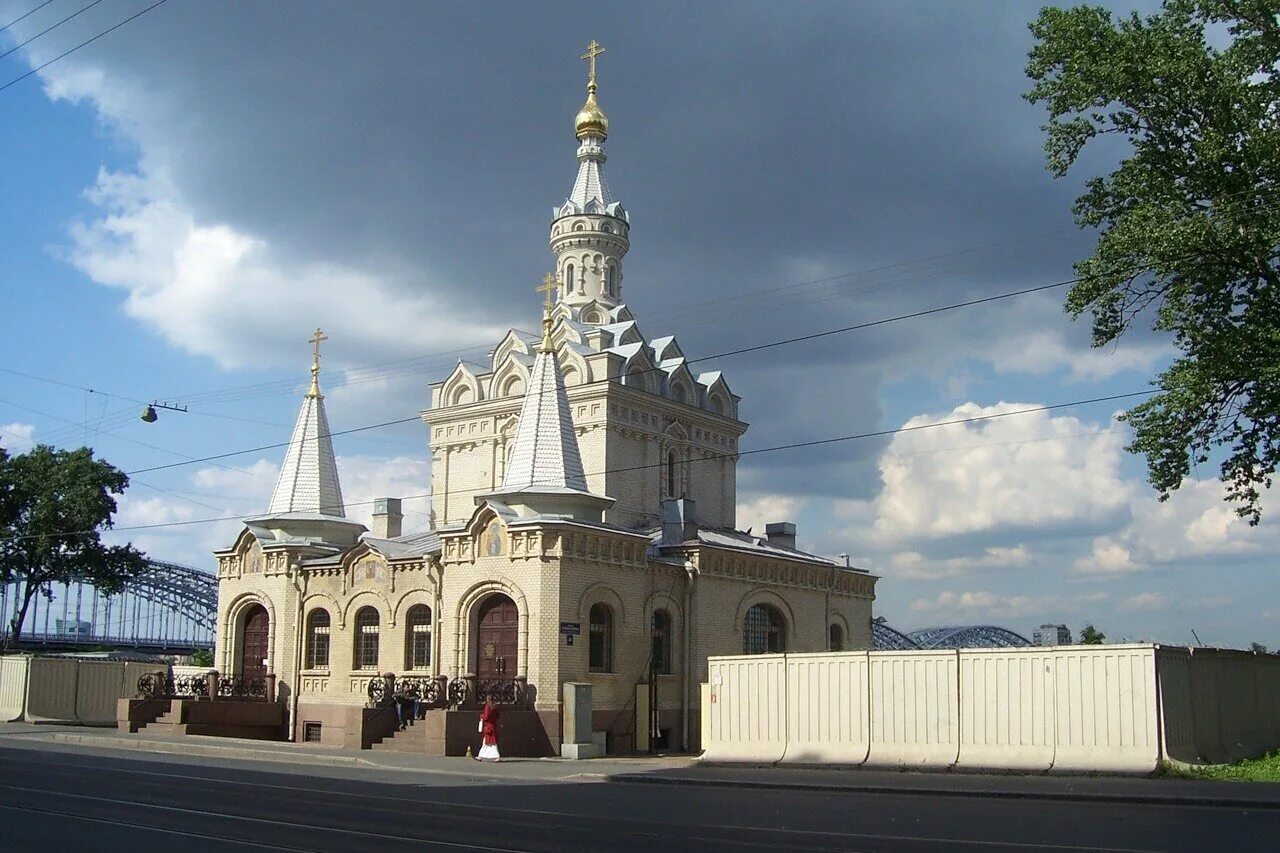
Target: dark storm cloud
[756,145]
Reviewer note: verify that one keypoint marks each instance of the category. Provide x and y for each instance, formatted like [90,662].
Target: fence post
[211,682]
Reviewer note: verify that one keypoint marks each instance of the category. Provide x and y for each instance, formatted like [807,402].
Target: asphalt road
[69,801]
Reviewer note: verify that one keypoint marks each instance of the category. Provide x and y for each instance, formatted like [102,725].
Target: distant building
[1051,635]
[73,627]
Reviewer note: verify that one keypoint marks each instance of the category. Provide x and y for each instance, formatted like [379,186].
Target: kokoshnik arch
[583,498]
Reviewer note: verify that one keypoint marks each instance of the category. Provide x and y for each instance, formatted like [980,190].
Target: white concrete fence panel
[1006,709]
[66,690]
[51,690]
[828,710]
[915,711]
[1121,708]
[98,687]
[1106,709]
[748,708]
[13,686]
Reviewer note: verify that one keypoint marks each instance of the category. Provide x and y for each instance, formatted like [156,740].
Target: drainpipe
[297,656]
[692,572]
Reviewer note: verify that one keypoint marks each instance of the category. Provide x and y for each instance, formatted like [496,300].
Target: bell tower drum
[589,231]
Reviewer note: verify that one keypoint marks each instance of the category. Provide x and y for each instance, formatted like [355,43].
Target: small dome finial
[591,119]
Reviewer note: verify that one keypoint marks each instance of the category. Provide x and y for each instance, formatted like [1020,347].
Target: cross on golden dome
[591,119]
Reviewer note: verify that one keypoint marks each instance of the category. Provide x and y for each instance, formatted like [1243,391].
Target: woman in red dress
[489,715]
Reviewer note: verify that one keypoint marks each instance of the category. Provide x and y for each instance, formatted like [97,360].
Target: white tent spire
[544,471]
[309,476]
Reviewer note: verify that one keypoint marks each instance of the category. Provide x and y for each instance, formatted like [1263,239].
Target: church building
[583,495]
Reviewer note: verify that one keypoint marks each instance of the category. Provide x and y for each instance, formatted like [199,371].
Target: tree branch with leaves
[1195,206]
[54,504]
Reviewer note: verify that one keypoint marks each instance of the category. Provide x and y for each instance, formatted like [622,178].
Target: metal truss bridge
[167,609]
[885,637]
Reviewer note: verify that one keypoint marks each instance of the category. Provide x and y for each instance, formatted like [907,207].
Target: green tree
[1091,636]
[1258,648]
[1189,222]
[60,501]
[201,657]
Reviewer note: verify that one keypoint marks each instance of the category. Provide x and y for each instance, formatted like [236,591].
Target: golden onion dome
[591,119]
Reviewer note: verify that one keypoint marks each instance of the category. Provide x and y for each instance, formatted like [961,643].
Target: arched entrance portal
[497,637]
[254,634]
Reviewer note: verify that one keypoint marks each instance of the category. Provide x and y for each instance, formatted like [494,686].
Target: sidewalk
[1141,790]
[241,749]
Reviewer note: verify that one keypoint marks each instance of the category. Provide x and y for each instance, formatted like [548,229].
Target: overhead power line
[84,43]
[48,29]
[741,351]
[25,15]
[711,457]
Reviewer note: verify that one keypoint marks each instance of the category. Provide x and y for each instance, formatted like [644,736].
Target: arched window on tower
[673,474]
[608,283]
[568,279]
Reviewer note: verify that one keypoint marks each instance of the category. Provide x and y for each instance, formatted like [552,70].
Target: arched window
[717,404]
[835,638]
[608,279]
[678,393]
[600,643]
[514,385]
[366,651]
[606,229]
[318,639]
[660,643]
[568,278]
[763,631]
[673,474]
[417,637]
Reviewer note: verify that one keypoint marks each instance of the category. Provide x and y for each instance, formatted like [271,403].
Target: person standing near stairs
[489,715]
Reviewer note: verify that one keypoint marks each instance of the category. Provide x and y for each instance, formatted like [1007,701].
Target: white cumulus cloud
[1023,471]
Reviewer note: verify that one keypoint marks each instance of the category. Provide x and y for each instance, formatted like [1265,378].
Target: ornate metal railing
[240,687]
[435,692]
[158,685]
[152,685]
[195,686]
[503,691]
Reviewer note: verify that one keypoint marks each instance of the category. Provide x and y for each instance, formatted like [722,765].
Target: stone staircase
[423,737]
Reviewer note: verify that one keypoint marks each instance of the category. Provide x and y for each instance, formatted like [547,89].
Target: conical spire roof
[544,473]
[545,456]
[309,476]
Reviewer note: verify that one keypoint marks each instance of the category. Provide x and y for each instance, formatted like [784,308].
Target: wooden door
[253,642]
[499,638]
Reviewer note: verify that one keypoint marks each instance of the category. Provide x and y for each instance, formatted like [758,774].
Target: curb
[937,791]
[203,750]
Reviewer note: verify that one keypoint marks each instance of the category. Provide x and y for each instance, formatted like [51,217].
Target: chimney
[781,533]
[387,518]
[679,520]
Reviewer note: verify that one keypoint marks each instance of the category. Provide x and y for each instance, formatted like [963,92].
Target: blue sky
[187,198]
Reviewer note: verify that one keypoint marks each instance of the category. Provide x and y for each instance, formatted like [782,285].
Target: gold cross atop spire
[318,338]
[549,286]
[593,50]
